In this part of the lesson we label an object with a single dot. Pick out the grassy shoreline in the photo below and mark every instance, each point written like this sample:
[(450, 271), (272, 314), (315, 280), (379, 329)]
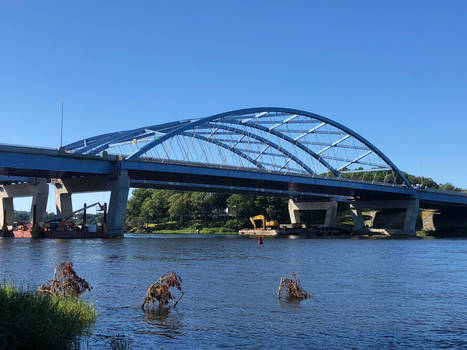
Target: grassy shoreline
[(29, 320), (208, 231), (174, 228)]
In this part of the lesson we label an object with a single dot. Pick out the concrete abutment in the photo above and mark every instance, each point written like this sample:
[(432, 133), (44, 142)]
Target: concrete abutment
[(445, 221)]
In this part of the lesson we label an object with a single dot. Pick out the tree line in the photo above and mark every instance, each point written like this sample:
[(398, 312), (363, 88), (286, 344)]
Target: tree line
[(148, 206), (23, 216), (161, 206), (391, 177)]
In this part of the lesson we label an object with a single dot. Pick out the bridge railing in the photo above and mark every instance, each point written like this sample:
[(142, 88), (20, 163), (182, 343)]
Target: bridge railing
[(434, 190)]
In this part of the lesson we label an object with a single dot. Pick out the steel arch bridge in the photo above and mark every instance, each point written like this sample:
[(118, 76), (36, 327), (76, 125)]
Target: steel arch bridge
[(267, 139)]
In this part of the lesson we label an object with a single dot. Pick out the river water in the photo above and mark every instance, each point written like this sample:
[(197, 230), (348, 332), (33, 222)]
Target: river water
[(377, 294)]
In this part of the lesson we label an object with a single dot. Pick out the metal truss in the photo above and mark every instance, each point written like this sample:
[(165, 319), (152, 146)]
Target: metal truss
[(269, 139)]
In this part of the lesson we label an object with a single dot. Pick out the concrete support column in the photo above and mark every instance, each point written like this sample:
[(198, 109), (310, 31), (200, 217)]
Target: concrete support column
[(294, 213), (6, 207), (428, 219), (411, 215), (117, 206), (63, 201), (331, 213), (63, 204), (357, 217), (39, 199)]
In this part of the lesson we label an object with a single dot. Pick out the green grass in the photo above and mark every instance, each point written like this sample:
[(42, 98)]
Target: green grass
[(206, 230), (221, 230), (32, 321), (181, 230)]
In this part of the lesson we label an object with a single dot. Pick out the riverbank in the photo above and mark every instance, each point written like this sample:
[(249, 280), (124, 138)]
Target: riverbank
[(176, 228), (203, 231), (345, 234), (29, 320)]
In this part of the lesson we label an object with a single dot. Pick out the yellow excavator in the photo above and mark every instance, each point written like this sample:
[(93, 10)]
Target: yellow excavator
[(266, 225)]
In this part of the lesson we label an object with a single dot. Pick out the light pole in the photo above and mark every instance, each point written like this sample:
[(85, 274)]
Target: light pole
[(61, 126)]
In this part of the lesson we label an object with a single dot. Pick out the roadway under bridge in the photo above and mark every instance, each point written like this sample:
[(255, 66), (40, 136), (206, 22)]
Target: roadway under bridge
[(314, 161)]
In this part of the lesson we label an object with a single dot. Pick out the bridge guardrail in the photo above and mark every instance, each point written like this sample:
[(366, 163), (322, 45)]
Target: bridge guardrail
[(434, 190)]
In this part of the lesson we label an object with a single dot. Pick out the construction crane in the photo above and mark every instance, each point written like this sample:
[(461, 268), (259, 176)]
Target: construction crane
[(101, 207)]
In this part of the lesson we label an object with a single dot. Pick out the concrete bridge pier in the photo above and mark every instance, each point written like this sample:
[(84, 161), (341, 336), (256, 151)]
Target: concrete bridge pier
[(411, 215), (118, 185), (330, 206), (6, 214), (117, 205), (39, 191), (39, 199), (357, 218), (400, 222), (63, 201)]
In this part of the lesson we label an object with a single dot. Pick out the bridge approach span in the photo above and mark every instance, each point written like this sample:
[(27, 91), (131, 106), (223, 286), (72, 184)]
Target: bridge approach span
[(271, 151)]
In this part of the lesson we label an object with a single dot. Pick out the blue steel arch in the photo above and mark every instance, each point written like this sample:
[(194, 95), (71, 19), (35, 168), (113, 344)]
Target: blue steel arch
[(298, 144), (269, 143), (231, 149), (285, 142)]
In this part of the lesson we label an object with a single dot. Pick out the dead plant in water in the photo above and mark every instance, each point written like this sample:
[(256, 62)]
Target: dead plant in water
[(65, 282), (160, 290), (293, 290)]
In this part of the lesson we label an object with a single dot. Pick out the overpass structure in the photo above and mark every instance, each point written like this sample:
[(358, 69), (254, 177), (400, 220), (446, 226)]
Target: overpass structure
[(313, 160)]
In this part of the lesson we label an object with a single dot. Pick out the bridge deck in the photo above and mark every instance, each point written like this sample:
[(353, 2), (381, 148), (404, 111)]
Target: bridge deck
[(19, 163)]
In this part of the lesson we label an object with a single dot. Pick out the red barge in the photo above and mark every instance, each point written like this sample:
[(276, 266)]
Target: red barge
[(59, 229)]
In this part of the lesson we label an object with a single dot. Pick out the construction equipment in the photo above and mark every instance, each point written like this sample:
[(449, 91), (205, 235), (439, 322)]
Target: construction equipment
[(101, 207), (64, 223), (266, 225)]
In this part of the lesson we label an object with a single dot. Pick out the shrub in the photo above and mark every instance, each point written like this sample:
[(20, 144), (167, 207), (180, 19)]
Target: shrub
[(235, 224)]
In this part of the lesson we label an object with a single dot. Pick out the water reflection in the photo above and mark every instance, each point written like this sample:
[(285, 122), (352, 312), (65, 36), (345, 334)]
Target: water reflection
[(368, 294), (289, 303), (167, 321)]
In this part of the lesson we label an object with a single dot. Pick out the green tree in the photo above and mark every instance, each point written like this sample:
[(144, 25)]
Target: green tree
[(219, 201), (133, 209), (277, 209), (180, 206), (201, 204), (158, 206), (22, 216), (449, 187), (242, 207)]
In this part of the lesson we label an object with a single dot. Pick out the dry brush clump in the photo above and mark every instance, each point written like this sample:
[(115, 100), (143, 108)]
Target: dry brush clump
[(293, 289), (65, 282), (160, 291)]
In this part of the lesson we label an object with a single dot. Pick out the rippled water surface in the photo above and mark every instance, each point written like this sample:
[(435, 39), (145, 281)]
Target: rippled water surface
[(367, 293)]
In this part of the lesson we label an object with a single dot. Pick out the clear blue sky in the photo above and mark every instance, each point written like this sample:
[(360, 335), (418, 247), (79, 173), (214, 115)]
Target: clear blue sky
[(394, 71)]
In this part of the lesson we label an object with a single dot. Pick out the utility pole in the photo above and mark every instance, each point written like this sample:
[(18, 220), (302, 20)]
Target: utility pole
[(61, 124)]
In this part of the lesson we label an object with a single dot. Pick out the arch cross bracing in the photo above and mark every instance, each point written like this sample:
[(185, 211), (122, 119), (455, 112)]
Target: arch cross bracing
[(268, 139)]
